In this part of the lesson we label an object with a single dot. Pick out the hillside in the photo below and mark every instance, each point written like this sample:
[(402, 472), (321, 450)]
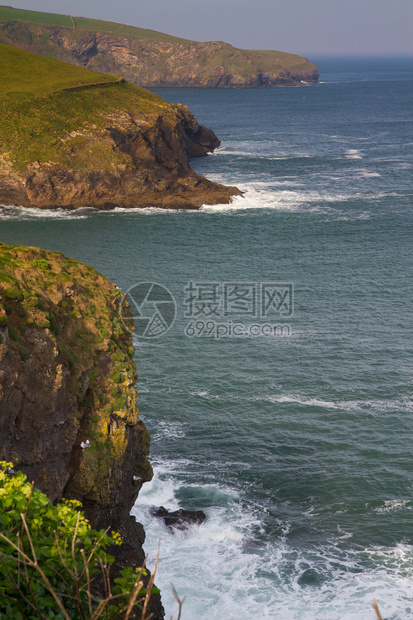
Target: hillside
[(147, 57), (70, 137)]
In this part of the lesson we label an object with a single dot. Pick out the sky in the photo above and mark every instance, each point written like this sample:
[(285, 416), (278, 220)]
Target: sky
[(307, 27)]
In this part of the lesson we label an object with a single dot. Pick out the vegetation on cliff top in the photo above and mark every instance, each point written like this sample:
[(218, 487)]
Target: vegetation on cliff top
[(24, 75), (44, 289), (42, 121), (83, 23)]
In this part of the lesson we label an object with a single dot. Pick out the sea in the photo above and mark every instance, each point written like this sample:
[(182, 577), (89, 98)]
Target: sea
[(278, 390)]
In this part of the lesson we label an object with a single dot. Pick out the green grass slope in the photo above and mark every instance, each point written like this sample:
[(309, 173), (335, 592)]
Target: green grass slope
[(83, 23), (24, 75), (39, 114)]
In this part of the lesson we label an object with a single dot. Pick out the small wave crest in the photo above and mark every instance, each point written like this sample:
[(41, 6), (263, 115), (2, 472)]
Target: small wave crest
[(27, 213), (353, 154), (392, 505), (349, 405)]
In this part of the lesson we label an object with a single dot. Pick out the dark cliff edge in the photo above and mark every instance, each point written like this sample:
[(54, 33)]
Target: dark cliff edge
[(150, 58), (67, 379), (68, 141)]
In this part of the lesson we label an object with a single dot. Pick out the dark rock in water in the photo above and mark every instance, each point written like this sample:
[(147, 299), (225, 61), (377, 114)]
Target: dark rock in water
[(180, 519), (310, 577)]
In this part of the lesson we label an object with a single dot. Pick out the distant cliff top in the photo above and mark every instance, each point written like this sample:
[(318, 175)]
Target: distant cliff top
[(147, 57)]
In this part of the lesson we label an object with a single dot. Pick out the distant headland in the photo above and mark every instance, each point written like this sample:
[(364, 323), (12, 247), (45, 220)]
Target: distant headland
[(149, 58)]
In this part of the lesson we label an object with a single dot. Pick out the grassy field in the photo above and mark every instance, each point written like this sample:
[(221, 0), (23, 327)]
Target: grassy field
[(52, 19), (41, 121), (24, 75), (8, 13)]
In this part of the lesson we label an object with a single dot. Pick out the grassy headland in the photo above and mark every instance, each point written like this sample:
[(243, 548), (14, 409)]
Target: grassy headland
[(148, 57), (71, 137)]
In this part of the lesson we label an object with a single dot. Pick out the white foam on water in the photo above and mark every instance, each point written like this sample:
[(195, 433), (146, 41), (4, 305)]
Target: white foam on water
[(141, 211), (392, 505), (260, 155), (200, 393), (286, 157), (257, 195), (403, 166), (225, 572), (353, 154), (344, 218), (27, 213), (350, 405), (363, 173), (171, 430), (314, 402), (404, 404), (282, 200)]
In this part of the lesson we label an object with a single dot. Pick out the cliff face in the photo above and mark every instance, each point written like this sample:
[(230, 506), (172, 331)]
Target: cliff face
[(152, 168), (72, 144), (153, 59), (68, 414)]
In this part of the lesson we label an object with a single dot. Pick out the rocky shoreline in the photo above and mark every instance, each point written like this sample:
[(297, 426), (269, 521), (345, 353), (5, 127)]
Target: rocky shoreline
[(154, 169)]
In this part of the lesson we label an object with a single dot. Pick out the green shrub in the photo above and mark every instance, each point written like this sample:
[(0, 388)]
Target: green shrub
[(51, 560), (14, 333), (14, 293), (41, 263), (54, 327)]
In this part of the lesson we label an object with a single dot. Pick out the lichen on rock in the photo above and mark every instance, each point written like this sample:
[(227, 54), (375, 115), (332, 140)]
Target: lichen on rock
[(67, 379), (68, 412)]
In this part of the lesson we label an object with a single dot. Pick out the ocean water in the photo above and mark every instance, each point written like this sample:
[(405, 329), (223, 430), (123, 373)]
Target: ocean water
[(298, 447)]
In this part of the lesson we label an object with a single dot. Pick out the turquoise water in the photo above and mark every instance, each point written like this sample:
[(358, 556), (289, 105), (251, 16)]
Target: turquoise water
[(298, 448)]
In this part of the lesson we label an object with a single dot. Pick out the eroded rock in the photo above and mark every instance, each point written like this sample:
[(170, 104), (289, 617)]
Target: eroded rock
[(180, 519)]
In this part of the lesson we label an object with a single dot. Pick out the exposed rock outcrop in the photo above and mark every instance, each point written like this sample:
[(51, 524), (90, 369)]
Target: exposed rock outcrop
[(180, 519), (153, 59), (68, 414), (153, 170)]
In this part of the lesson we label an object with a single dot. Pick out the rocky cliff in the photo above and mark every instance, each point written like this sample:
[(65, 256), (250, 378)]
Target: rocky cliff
[(73, 138), (150, 58), (68, 414)]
